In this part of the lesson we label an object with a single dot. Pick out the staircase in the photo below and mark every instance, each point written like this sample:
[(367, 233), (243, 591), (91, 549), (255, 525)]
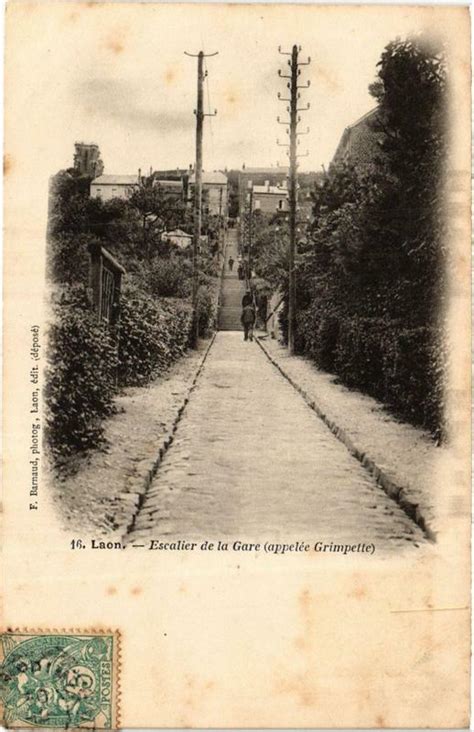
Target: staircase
[(232, 290)]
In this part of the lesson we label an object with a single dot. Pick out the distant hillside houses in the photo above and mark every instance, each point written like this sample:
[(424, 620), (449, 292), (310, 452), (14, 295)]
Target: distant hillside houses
[(249, 177), (174, 182), (107, 187), (270, 199), (269, 188), (214, 192)]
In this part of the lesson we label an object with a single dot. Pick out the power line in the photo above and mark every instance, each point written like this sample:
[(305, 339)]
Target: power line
[(206, 75)]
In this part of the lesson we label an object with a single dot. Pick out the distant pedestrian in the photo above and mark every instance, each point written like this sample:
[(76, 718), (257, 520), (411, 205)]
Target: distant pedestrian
[(231, 263), (248, 321), (240, 271)]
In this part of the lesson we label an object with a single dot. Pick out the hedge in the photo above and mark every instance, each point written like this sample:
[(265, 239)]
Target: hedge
[(402, 366), (80, 378), (88, 361), (152, 335)]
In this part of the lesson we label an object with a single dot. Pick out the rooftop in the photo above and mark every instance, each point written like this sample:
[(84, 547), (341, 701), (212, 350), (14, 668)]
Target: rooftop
[(364, 118), (178, 232), (275, 190), (168, 183), (283, 170), (121, 180), (214, 177)]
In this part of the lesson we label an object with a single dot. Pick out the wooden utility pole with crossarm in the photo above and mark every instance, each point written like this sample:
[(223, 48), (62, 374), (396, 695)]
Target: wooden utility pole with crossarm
[(292, 125), (197, 208)]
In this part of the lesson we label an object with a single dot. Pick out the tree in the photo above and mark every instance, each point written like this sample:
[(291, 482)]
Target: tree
[(371, 279), (411, 93), (69, 194), (157, 211)]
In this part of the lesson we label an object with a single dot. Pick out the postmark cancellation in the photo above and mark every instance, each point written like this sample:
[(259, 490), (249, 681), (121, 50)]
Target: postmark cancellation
[(59, 679)]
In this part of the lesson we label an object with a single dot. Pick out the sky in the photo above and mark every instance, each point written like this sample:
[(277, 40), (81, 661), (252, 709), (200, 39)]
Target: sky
[(117, 75)]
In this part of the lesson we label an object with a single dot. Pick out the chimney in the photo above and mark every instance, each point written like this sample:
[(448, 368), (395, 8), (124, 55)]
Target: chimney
[(139, 176)]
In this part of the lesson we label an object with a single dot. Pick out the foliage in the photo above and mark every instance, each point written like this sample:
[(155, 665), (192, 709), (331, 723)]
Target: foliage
[(169, 277), (86, 359), (207, 305), (270, 249), (157, 211), (68, 257), (80, 379), (370, 273), (69, 194), (373, 271), (153, 334)]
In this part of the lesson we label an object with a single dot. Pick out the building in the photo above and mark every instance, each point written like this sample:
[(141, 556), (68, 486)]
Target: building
[(172, 188), (360, 142), (270, 199), (173, 182), (87, 160), (179, 238), (274, 198), (107, 187), (249, 177), (214, 192)]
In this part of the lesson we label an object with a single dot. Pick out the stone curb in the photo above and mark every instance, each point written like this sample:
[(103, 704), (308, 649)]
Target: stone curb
[(140, 483), (393, 489)]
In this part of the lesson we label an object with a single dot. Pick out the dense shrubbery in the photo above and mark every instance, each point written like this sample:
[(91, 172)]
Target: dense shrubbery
[(152, 334), (401, 366), (207, 306), (370, 276), (87, 360), (82, 362), (68, 258), (169, 277)]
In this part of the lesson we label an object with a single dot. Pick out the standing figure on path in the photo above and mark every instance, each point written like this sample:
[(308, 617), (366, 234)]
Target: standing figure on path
[(231, 263), (247, 299), (248, 320), (240, 271)]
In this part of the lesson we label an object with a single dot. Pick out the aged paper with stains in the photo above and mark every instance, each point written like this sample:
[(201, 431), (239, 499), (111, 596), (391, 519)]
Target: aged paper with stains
[(242, 637)]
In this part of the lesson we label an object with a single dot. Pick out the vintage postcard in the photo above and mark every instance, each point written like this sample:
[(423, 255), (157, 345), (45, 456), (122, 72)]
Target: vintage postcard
[(236, 366)]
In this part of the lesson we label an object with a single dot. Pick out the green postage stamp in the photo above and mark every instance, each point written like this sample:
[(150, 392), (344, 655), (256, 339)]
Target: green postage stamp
[(59, 679)]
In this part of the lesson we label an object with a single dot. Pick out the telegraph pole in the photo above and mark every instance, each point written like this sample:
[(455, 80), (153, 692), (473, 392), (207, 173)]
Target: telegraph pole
[(249, 273), (292, 124), (197, 208)]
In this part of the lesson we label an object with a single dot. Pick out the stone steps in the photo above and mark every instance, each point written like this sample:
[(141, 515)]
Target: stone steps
[(232, 292)]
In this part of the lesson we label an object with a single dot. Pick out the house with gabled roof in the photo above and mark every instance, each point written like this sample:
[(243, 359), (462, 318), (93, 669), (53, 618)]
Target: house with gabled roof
[(107, 187)]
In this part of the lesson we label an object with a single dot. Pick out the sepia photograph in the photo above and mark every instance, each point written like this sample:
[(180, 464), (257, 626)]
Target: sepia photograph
[(247, 303), (237, 358)]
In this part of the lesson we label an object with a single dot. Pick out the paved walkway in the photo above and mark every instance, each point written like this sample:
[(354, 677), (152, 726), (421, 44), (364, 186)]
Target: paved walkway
[(250, 460), (405, 456)]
